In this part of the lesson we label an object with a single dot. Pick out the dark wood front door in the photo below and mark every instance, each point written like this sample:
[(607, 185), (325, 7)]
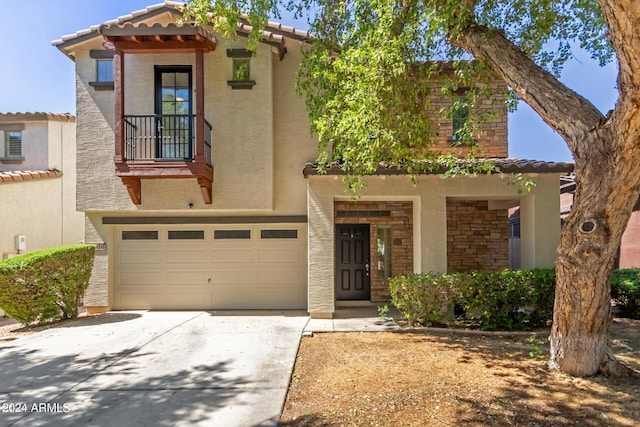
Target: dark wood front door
[(352, 262)]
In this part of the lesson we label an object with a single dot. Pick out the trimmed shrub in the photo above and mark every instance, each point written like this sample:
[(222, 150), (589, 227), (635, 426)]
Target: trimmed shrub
[(625, 290), (424, 299), (511, 300), (45, 285)]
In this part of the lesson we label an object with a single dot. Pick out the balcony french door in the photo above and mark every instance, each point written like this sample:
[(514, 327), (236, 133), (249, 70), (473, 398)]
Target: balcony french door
[(174, 130)]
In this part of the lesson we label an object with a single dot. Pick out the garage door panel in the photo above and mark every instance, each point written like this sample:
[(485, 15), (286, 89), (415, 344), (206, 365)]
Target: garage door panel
[(140, 256), (187, 277), (280, 255), (234, 277), (188, 301), (138, 300), (219, 256), (255, 273), (283, 277), (143, 278), (186, 257)]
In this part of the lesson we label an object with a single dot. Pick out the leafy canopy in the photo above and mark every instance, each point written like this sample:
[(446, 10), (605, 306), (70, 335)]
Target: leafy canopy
[(373, 75)]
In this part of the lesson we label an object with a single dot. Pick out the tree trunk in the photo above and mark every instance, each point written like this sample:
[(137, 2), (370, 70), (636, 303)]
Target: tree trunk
[(607, 167), (606, 189)]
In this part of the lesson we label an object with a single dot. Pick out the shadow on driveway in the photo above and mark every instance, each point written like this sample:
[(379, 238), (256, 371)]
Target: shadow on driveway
[(161, 368)]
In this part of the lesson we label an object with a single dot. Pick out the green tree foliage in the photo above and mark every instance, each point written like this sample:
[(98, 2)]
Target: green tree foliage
[(374, 67)]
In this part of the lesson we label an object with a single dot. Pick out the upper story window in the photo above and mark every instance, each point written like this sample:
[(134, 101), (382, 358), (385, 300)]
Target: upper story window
[(460, 132), (11, 149), (241, 69), (13, 144), (104, 69), (459, 117)]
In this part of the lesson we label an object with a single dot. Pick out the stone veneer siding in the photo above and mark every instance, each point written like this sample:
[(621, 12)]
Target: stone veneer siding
[(491, 138), (401, 221), (477, 238)]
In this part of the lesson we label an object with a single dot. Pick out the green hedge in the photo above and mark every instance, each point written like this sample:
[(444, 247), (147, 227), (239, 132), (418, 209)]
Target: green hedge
[(45, 285), (505, 300), (625, 290)]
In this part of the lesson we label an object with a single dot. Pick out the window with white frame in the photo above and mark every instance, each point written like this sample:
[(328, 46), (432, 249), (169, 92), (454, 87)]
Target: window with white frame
[(13, 144)]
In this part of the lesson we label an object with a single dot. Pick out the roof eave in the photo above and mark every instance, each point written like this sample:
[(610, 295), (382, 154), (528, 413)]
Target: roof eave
[(504, 166)]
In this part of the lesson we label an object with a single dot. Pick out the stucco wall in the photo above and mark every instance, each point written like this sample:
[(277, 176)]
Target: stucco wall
[(43, 210), (260, 137), (260, 141), (630, 245), (31, 208)]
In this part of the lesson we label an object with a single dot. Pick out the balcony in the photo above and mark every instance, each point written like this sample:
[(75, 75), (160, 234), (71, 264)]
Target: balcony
[(158, 146)]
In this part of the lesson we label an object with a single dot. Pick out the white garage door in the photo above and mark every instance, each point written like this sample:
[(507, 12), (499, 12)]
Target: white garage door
[(213, 267)]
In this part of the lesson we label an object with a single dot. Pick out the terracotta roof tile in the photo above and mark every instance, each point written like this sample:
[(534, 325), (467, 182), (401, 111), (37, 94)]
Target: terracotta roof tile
[(14, 176), (36, 116), (273, 31), (505, 165)]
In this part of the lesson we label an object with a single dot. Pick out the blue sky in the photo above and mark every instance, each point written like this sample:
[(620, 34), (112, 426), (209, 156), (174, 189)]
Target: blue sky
[(36, 76)]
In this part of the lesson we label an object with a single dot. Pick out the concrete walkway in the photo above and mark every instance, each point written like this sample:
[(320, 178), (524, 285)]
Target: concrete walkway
[(355, 319), (152, 369)]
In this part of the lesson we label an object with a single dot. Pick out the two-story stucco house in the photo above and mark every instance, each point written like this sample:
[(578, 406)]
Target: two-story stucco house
[(195, 173), (38, 182)]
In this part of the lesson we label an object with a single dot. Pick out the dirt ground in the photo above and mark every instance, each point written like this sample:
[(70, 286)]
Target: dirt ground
[(417, 379)]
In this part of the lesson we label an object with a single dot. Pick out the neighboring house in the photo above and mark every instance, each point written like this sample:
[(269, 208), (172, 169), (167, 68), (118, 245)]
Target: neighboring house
[(629, 251), (195, 173), (38, 182)]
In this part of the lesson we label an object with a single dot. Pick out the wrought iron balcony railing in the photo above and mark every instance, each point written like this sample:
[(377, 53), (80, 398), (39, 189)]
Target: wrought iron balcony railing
[(163, 137)]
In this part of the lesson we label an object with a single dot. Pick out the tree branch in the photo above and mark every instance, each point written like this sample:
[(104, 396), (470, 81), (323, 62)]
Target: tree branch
[(567, 112), (623, 20)]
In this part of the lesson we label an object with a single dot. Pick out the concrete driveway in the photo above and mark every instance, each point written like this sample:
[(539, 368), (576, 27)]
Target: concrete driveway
[(152, 369)]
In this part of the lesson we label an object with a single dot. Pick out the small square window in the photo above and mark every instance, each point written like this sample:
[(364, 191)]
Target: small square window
[(13, 142), (241, 70), (104, 70)]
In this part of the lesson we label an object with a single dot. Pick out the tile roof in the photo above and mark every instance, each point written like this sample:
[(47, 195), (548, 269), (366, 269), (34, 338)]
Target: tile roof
[(33, 116), (15, 176), (505, 165), (273, 31), (92, 31)]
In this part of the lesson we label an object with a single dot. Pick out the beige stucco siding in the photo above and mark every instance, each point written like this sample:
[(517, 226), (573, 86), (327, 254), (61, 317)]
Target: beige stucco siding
[(293, 143), (31, 208), (429, 197), (34, 208), (42, 209), (260, 137)]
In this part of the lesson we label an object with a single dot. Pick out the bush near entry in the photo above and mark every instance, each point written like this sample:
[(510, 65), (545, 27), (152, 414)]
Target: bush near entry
[(504, 300), (45, 285), (625, 290)]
